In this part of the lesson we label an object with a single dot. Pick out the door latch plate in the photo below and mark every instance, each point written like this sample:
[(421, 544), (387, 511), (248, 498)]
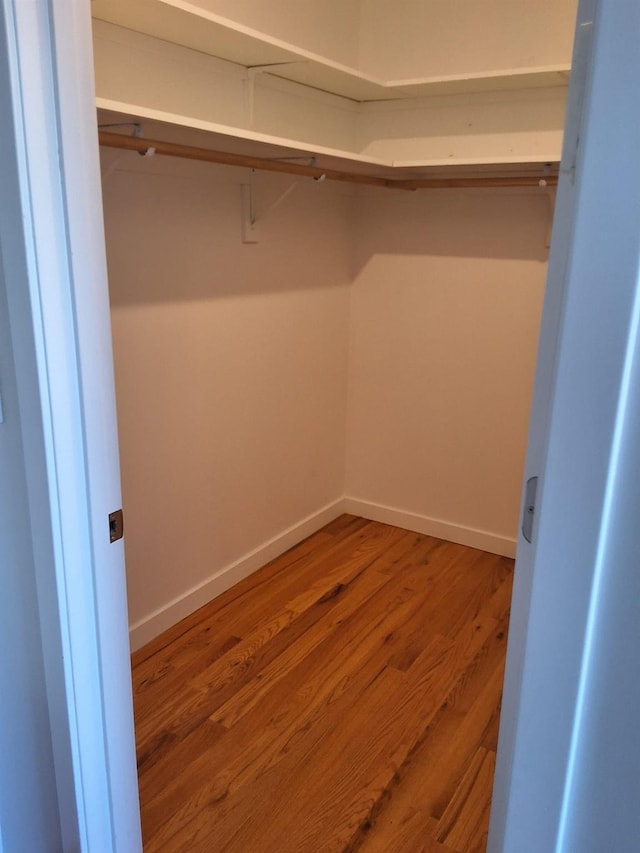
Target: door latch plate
[(529, 508), (116, 525)]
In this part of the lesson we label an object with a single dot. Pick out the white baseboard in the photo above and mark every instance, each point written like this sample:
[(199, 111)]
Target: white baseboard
[(481, 539), (155, 623)]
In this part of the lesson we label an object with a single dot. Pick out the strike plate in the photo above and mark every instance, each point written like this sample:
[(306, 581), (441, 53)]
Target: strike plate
[(116, 525), (529, 508)]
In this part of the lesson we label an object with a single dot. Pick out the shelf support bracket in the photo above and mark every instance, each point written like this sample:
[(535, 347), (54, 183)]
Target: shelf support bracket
[(136, 131), (249, 86), (250, 225), (280, 199), (250, 83)]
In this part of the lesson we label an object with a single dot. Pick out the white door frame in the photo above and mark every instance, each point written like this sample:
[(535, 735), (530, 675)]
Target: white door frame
[(59, 312), (583, 403)]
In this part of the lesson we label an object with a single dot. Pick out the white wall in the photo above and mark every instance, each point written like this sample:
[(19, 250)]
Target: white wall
[(330, 28), (231, 369), (489, 127), (445, 311), (437, 38), (234, 367), (415, 38)]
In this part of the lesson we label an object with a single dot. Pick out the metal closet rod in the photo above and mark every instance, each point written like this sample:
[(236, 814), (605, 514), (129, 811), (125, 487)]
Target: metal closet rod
[(172, 149)]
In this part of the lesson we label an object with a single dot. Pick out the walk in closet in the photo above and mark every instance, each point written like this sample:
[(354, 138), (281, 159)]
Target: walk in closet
[(327, 227), (289, 348)]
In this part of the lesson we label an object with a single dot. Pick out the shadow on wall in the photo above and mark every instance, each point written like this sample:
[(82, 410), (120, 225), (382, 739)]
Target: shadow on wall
[(499, 224), (173, 230)]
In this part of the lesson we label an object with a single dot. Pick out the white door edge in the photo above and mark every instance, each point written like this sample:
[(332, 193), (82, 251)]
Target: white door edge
[(580, 403), (64, 362)]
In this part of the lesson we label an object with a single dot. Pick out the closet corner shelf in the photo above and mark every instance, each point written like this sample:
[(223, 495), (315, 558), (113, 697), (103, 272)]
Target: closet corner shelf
[(425, 155), (238, 139), (267, 155), (191, 26)]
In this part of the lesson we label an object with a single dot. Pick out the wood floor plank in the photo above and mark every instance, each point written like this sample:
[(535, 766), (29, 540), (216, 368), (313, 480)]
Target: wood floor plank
[(190, 705), (340, 523), (410, 831), (344, 664), (161, 684), (255, 691), (179, 760), (325, 589), (356, 766), (440, 761), (366, 585), (454, 597), (251, 610), (378, 543), (249, 595), (346, 700), (180, 711), (465, 822)]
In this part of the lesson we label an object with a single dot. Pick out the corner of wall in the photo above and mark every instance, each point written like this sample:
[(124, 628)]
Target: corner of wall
[(145, 629), (460, 534)]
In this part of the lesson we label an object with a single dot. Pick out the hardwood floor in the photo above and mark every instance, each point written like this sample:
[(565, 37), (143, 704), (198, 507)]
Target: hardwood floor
[(345, 697)]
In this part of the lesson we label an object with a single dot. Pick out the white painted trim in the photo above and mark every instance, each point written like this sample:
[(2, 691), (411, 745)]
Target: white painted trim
[(164, 617), (458, 533), (77, 158), (59, 315), (150, 626), (568, 744)]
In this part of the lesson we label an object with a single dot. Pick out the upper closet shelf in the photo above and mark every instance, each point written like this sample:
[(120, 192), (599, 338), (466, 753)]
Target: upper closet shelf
[(183, 65), (180, 129), (192, 26)]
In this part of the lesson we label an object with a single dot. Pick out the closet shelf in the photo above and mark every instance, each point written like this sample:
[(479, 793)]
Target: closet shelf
[(172, 62), (230, 134), (144, 145), (196, 28), (185, 130)]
